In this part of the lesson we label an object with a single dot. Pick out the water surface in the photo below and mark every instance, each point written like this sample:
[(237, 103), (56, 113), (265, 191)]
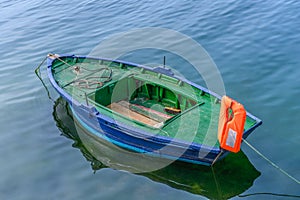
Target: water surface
[(255, 45)]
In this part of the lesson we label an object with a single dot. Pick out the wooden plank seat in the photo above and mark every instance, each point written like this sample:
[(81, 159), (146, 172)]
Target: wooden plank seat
[(153, 114), (140, 113)]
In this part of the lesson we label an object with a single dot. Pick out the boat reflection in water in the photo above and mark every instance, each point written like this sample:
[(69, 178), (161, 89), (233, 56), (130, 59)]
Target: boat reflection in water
[(229, 177)]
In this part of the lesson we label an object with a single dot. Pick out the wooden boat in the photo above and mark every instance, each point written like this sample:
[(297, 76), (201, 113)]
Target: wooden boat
[(221, 182), (149, 110)]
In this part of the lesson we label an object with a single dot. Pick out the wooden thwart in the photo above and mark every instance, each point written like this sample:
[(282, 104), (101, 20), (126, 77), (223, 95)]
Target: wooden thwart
[(155, 115), (123, 109)]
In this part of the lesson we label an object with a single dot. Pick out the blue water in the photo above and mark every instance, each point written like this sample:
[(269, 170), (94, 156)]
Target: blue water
[(255, 45)]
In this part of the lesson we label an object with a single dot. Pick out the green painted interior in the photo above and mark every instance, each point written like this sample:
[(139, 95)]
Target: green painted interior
[(146, 91)]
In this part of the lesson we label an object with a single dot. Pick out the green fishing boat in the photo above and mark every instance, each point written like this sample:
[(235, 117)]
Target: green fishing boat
[(149, 110), (228, 178)]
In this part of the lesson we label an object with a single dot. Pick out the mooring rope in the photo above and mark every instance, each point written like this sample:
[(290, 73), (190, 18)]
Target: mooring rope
[(38, 74), (216, 182), (76, 67), (272, 163), (61, 60), (271, 194)]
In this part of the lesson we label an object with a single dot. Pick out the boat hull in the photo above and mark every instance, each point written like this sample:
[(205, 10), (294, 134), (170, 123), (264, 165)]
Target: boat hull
[(128, 138)]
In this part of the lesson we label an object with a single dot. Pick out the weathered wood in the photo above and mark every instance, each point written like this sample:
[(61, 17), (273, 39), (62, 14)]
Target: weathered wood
[(150, 111), (123, 109)]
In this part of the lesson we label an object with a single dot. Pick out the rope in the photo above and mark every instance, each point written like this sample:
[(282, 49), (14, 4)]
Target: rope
[(216, 182), (272, 194), (38, 74), (273, 164), (87, 83), (58, 58), (76, 68)]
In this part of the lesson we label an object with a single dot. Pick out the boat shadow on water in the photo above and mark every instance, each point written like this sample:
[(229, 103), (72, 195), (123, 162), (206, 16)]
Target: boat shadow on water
[(227, 178)]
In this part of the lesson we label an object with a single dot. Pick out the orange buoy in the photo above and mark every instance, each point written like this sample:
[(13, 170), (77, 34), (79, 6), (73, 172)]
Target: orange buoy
[(231, 124)]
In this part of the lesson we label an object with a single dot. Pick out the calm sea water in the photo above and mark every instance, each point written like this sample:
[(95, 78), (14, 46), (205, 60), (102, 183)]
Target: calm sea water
[(255, 45)]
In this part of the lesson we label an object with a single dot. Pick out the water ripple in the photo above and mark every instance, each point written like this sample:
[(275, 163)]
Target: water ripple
[(255, 44)]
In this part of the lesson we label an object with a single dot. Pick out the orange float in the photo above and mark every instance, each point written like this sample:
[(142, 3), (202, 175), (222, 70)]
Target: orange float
[(231, 124)]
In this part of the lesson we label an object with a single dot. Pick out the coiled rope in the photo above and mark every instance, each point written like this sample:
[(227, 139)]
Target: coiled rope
[(91, 82)]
